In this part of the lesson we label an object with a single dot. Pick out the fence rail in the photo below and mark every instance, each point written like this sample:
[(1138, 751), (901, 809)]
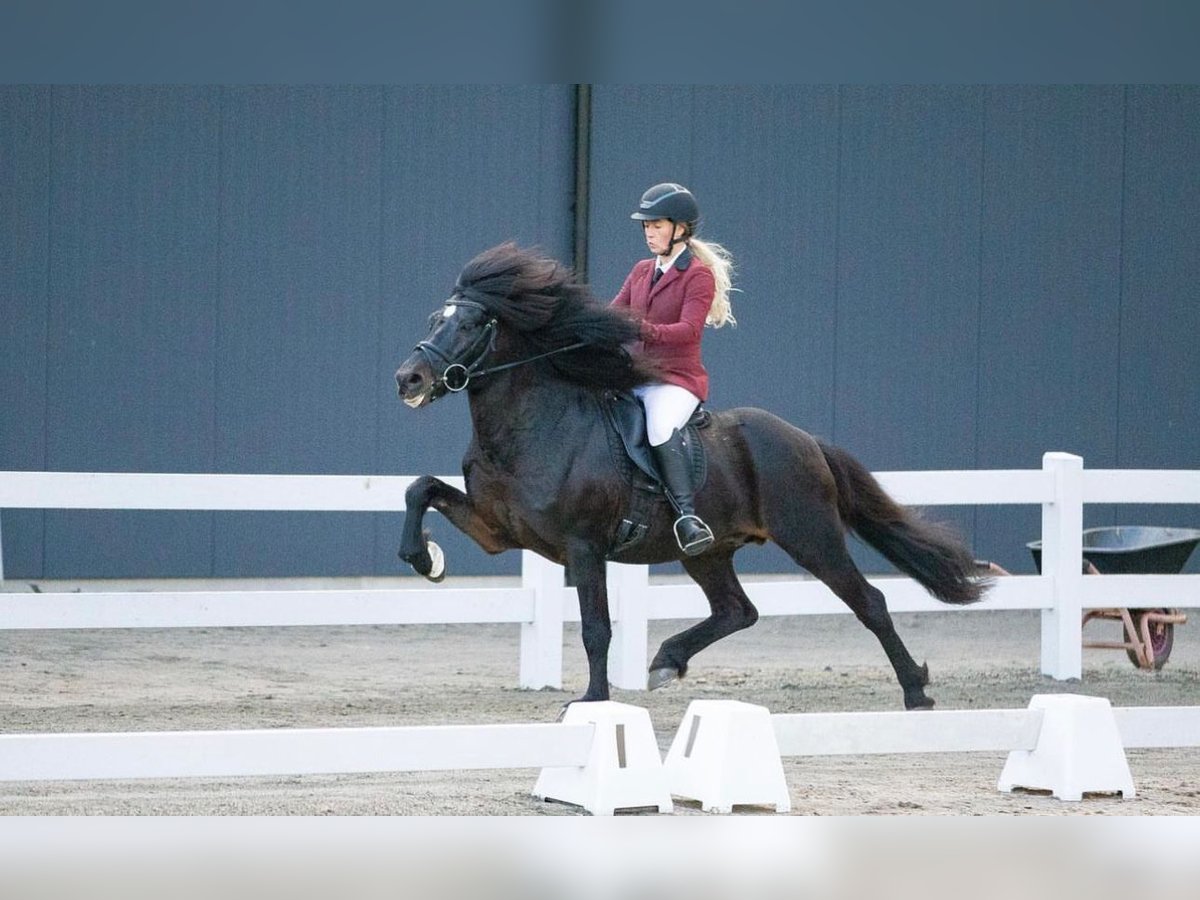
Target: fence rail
[(542, 604), (291, 751), (968, 730), (952, 731), (277, 493), (229, 609)]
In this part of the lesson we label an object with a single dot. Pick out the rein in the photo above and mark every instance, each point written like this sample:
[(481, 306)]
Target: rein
[(457, 373)]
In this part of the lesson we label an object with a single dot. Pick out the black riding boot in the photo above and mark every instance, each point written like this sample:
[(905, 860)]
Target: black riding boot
[(676, 471)]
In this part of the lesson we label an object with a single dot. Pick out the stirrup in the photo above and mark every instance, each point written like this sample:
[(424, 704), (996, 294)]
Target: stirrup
[(699, 542)]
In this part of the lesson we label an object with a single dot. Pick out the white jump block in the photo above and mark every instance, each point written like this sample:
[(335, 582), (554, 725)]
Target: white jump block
[(624, 769), (1078, 750), (725, 754)]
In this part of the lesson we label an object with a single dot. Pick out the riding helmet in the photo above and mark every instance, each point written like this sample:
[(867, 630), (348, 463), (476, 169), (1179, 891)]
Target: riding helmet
[(668, 201)]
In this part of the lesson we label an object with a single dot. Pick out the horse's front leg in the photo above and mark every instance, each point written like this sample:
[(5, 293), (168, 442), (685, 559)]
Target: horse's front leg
[(587, 566), (424, 555)]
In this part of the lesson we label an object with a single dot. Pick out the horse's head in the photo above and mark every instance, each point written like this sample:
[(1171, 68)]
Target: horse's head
[(512, 307), (462, 334)]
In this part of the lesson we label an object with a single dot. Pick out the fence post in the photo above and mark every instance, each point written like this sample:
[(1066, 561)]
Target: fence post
[(1062, 562), (542, 639), (628, 599)]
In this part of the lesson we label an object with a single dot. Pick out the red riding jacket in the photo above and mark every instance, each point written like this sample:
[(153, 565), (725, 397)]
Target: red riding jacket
[(672, 313)]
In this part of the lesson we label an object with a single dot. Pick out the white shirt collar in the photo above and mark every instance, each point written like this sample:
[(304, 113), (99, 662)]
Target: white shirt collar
[(663, 266)]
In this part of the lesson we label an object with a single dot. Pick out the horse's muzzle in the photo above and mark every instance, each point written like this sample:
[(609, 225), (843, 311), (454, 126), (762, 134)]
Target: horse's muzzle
[(414, 382)]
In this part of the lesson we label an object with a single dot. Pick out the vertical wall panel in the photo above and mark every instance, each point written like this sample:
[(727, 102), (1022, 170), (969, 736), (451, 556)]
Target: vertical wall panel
[(908, 281), (908, 276), (132, 287), (1159, 391), (24, 236), (299, 292), (1051, 265), (1160, 309), (766, 173), (465, 169), (641, 135), (765, 163), (1050, 281)]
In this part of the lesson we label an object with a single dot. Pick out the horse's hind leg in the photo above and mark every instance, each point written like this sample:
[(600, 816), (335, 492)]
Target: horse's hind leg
[(828, 559), (731, 611)]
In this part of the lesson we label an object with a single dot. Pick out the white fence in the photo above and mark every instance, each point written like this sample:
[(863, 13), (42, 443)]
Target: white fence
[(291, 751), (970, 730), (541, 604)]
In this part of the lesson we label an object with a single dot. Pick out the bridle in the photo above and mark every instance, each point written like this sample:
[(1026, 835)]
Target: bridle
[(457, 372)]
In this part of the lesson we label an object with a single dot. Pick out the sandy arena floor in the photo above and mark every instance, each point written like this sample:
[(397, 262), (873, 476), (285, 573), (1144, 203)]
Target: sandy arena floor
[(123, 680)]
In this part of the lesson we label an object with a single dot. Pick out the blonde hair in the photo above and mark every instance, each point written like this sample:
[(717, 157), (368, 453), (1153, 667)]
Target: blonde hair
[(720, 261)]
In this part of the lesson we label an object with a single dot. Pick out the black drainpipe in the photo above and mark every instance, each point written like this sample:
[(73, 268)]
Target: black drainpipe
[(583, 157)]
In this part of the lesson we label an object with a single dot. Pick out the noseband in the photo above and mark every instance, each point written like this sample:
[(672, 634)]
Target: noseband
[(457, 373)]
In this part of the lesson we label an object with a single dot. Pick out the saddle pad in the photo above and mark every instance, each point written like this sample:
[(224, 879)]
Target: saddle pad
[(627, 418)]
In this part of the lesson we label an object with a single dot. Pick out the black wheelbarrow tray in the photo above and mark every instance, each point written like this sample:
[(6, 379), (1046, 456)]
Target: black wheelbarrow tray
[(1136, 550)]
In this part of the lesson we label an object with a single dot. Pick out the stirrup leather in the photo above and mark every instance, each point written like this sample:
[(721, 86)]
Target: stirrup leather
[(700, 542)]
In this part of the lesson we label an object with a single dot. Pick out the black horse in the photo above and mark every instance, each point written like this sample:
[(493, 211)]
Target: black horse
[(536, 355)]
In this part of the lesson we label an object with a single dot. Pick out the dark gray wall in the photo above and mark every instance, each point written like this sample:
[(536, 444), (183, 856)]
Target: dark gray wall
[(939, 277), (24, 179), (223, 279)]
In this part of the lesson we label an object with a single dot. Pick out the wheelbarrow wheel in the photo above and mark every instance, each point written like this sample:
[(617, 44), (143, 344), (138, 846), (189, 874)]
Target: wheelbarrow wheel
[(1162, 637)]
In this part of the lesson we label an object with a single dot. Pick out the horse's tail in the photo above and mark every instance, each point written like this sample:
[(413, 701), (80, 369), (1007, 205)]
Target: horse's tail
[(931, 553)]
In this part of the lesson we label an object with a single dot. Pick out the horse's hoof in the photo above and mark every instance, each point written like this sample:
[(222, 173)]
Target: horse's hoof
[(437, 566), (662, 677), (419, 561), (918, 703)]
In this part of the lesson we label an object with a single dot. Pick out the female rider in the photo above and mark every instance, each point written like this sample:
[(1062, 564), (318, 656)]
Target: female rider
[(681, 288)]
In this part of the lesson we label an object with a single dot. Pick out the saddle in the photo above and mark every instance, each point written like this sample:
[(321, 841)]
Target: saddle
[(630, 449)]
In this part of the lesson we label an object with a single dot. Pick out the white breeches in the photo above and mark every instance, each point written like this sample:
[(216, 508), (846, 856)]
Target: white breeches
[(668, 407)]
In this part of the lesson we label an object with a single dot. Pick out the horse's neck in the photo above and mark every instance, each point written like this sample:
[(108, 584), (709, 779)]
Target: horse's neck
[(514, 415)]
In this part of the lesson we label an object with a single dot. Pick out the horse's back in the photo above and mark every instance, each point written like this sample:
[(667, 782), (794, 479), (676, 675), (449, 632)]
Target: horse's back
[(764, 430), (765, 459)]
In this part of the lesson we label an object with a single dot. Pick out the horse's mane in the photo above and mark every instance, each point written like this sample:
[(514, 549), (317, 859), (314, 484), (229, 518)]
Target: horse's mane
[(542, 301)]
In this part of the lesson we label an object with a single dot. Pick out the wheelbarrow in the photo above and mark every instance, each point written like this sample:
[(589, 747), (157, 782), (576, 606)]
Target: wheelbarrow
[(1135, 550)]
